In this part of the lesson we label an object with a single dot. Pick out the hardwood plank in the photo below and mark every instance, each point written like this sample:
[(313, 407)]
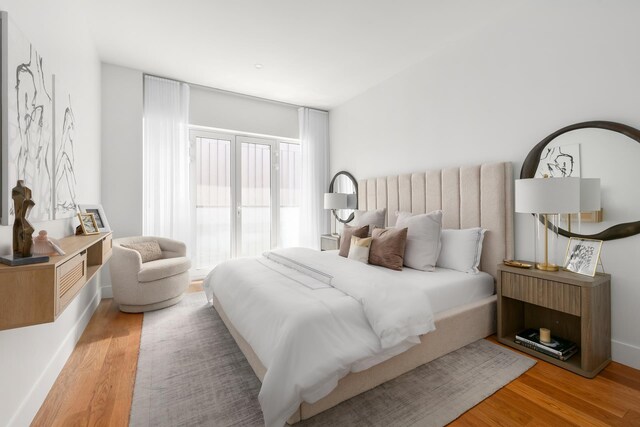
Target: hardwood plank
[(599, 391), (68, 379), (498, 412), (631, 418), (78, 396), (558, 393), (471, 419), (623, 375), (540, 414), (560, 409)]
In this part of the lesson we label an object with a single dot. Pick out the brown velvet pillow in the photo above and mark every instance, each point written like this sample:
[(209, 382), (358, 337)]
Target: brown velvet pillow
[(345, 239), (387, 247)]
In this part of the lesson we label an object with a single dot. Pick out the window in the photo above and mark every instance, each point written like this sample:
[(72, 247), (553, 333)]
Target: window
[(247, 195), (290, 184)]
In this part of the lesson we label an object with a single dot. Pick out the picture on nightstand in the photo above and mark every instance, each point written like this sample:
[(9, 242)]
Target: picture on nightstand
[(582, 256)]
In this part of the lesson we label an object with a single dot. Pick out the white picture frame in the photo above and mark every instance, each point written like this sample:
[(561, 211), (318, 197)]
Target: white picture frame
[(100, 216), (582, 256)]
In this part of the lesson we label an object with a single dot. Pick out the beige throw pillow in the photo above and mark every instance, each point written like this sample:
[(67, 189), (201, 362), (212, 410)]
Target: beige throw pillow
[(423, 239), (149, 251), (359, 249), (345, 239), (371, 218), (387, 247)]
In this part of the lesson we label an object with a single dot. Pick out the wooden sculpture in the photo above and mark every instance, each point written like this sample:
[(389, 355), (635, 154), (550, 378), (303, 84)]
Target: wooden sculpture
[(22, 229)]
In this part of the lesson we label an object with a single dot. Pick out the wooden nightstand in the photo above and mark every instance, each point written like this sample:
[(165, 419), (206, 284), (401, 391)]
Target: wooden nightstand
[(329, 242), (574, 307)]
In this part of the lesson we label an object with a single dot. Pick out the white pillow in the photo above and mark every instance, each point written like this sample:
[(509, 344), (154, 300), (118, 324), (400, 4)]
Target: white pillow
[(371, 218), (423, 239), (359, 249), (461, 249)]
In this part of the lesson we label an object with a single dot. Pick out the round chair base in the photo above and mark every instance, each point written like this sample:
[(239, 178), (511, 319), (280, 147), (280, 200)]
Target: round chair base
[(150, 307)]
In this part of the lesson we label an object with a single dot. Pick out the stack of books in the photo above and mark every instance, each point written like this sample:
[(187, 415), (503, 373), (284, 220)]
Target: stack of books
[(558, 348)]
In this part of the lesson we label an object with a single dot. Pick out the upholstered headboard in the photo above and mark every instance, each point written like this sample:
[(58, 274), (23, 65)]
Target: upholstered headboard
[(469, 196)]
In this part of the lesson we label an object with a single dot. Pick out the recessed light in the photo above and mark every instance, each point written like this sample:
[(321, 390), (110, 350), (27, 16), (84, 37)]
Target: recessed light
[(258, 66)]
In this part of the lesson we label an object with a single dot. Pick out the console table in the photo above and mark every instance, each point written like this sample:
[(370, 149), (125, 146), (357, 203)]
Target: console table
[(39, 293)]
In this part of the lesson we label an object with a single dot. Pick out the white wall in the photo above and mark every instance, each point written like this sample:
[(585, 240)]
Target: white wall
[(495, 94), (122, 149), (121, 154), (32, 357), (225, 110)]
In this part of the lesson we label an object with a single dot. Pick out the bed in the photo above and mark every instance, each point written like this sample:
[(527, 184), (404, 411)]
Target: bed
[(462, 306)]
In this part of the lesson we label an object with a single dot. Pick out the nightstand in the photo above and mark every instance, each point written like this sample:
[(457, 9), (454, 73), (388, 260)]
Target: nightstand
[(574, 307), (329, 242)]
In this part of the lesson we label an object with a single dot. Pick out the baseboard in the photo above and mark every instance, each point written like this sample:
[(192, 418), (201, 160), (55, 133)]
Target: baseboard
[(27, 410), (107, 292), (625, 353)]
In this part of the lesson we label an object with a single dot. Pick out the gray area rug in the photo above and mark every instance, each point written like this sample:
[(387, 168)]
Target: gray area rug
[(191, 372)]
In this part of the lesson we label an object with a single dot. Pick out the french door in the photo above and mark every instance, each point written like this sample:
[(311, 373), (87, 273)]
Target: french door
[(235, 188)]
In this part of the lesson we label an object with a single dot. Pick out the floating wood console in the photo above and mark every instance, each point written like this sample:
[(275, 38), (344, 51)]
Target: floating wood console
[(39, 293)]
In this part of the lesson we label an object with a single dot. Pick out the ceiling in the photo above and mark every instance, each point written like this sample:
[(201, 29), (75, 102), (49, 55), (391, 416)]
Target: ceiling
[(314, 53)]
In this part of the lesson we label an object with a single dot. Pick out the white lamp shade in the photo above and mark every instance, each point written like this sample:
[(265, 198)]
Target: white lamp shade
[(548, 195), (335, 200), (590, 194), (352, 201)]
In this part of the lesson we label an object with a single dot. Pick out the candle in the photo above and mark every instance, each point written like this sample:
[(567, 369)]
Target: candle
[(545, 335)]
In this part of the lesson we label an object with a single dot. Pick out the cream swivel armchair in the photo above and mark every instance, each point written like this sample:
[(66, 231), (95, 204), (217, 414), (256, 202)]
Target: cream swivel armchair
[(143, 286)]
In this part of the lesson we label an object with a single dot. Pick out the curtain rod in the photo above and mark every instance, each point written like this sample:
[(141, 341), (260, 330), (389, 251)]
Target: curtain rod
[(215, 89)]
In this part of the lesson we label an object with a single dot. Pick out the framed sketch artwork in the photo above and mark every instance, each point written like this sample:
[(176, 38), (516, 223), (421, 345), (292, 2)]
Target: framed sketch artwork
[(26, 122), (88, 223), (98, 213), (560, 161), (64, 184), (583, 255)]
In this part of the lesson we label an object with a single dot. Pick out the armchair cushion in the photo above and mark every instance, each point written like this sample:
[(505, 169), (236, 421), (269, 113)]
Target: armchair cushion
[(162, 268), (149, 251)]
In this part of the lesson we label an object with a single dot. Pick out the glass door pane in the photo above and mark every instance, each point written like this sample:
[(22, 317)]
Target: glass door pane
[(290, 184), (255, 210), (213, 201)]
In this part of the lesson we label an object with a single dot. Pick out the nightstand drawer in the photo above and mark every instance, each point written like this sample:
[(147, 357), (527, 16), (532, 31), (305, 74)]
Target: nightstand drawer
[(546, 293), (329, 242)]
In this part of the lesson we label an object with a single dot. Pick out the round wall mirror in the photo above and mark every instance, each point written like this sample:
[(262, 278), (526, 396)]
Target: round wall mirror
[(343, 182), (597, 149)]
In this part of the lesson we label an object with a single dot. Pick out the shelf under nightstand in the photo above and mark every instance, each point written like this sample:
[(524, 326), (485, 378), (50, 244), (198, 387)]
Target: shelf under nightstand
[(574, 307)]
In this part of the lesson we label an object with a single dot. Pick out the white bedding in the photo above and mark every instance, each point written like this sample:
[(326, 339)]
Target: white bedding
[(308, 337), (446, 288)]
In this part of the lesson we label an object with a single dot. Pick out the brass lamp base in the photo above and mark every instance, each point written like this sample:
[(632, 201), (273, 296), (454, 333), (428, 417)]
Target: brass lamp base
[(547, 267)]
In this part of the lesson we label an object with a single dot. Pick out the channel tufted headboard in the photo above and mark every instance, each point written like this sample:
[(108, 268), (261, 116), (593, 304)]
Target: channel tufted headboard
[(469, 196)]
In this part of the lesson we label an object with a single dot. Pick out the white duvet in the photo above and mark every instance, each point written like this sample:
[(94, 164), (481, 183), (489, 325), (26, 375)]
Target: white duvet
[(312, 317)]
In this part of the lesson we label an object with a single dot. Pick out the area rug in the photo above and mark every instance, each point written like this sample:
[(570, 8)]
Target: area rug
[(191, 372)]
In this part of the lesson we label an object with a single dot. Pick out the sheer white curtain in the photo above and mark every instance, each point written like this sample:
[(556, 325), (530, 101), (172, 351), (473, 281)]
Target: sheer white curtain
[(165, 154), (314, 143)]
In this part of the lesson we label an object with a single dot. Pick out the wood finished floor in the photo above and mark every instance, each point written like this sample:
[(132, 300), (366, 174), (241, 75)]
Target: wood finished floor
[(96, 386)]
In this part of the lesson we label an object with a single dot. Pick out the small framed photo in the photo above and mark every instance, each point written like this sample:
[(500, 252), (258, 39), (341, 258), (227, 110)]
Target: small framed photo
[(582, 256), (98, 213), (88, 223)]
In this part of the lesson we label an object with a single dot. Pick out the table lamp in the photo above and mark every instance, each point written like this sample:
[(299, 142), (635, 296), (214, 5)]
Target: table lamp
[(335, 201), (548, 197)]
